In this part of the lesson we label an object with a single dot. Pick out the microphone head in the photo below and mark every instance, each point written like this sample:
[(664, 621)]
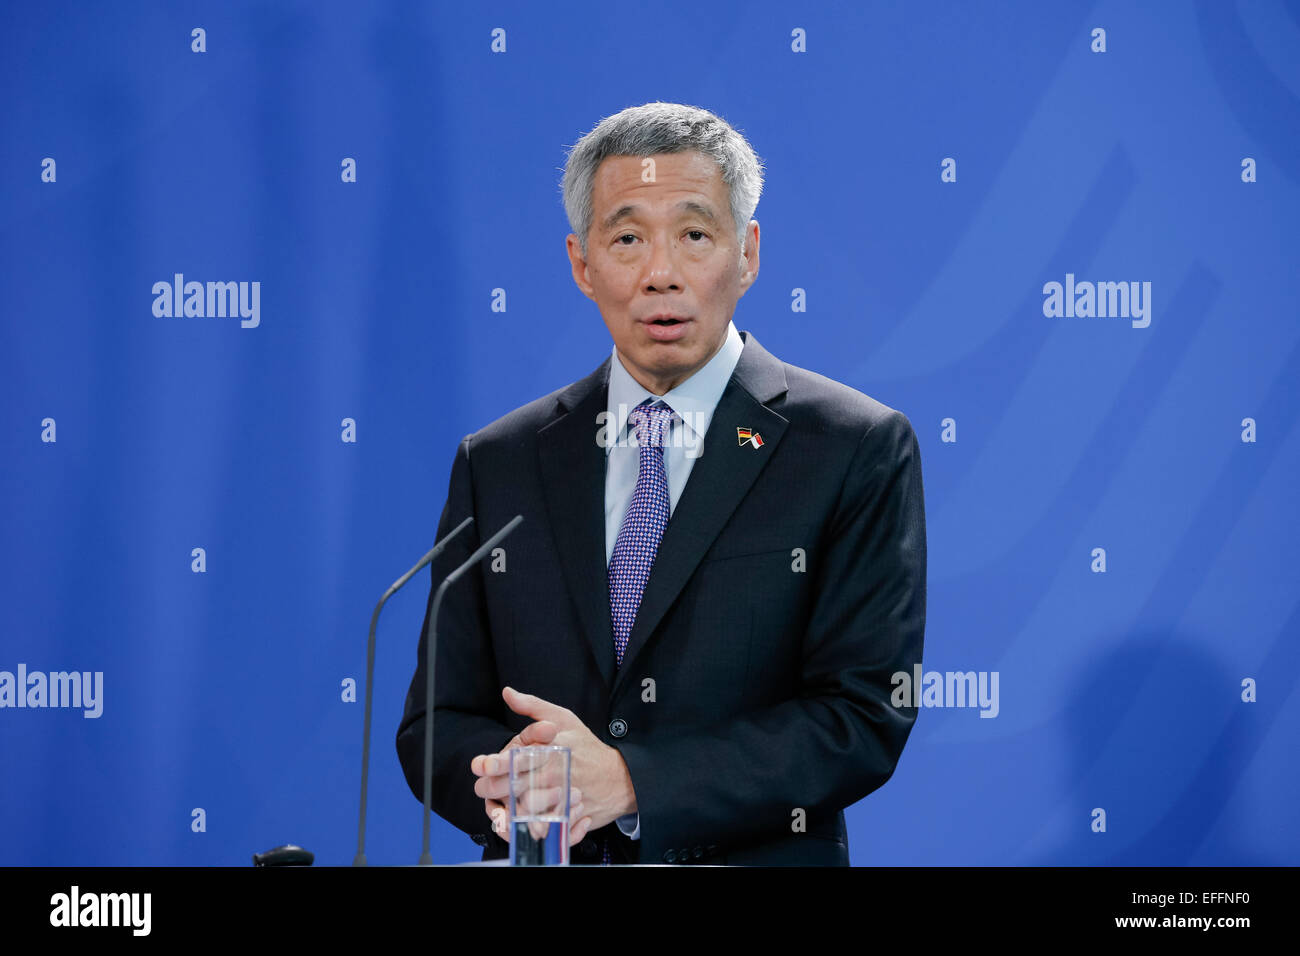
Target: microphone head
[(288, 855)]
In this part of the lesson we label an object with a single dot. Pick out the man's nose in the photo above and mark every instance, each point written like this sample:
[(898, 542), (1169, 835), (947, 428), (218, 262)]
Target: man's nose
[(661, 267)]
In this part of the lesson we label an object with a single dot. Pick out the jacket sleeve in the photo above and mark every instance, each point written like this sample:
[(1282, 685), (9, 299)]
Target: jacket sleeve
[(840, 739), (469, 711)]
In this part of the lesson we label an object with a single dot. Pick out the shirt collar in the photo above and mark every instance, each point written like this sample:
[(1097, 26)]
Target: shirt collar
[(693, 400)]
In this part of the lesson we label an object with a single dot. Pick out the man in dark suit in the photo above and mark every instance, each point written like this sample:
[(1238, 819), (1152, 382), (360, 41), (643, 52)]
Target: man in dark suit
[(722, 563)]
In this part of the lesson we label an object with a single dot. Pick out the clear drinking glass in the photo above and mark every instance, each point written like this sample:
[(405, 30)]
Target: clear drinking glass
[(539, 806)]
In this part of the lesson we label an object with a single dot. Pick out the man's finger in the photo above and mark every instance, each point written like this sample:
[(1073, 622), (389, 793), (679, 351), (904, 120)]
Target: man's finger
[(486, 765), (496, 786), (577, 811), (492, 788), (541, 732), (534, 707), (543, 801), (477, 765), (579, 830)]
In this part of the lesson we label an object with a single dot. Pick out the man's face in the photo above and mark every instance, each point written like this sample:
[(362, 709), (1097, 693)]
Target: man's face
[(662, 263)]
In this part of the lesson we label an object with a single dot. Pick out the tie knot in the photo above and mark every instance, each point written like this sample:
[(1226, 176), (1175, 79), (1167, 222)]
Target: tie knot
[(651, 422)]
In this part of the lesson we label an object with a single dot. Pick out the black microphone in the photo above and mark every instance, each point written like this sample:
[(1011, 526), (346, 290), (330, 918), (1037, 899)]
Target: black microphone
[(360, 858), (426, 858)]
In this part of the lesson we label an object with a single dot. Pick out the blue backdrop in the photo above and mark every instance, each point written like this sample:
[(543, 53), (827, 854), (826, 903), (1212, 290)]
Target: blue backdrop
[(931, 167)]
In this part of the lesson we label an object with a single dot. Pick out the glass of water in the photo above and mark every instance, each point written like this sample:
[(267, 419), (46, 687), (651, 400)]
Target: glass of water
[(539, 806)]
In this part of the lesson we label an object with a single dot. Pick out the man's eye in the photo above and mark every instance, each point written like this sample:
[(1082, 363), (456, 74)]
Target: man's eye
[(626, 235), (695, 232)]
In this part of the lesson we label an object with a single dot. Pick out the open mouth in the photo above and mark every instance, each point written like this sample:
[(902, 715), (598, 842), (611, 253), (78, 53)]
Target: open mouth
[(666, 329)]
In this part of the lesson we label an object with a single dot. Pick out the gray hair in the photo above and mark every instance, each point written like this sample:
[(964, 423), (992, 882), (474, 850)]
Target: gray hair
[(662, 128)]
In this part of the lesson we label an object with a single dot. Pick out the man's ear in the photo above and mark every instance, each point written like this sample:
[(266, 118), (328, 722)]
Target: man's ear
[(749, 257), (579, 266)]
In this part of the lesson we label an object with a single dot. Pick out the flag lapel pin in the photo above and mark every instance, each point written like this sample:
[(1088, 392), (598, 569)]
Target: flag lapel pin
[(746, 436)]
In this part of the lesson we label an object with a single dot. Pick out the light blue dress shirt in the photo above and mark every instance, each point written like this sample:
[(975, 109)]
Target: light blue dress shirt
[(693, 402)]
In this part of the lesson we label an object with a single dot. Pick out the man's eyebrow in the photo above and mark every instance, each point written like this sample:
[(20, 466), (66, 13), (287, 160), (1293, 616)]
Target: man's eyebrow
[(620, 214), (685, 206), (701, 210)]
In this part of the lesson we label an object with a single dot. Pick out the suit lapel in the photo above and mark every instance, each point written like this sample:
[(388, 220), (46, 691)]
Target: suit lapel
[(720, 479), (573, 476)]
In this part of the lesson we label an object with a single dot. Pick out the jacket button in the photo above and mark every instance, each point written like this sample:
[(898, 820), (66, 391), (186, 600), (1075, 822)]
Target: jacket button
[(618, 727), (670, 856)]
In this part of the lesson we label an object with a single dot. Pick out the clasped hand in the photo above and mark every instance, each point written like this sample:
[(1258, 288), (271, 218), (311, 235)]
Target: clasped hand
[(601, 787)]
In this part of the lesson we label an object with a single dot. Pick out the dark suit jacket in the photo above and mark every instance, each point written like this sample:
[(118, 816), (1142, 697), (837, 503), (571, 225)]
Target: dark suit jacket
[(789, 586)]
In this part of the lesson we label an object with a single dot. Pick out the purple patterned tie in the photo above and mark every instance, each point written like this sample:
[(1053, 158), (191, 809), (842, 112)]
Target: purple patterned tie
[(643, 526)]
